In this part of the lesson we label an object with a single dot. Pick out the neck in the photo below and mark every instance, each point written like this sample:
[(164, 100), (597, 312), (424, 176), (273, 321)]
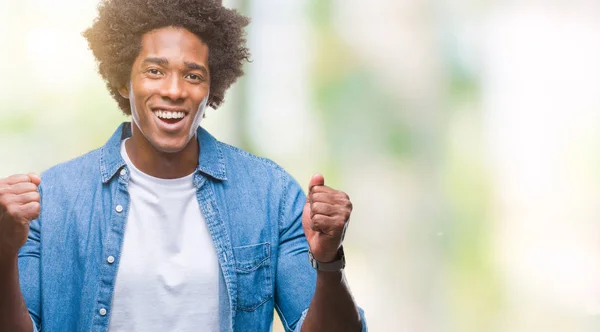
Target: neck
[(161, 164)]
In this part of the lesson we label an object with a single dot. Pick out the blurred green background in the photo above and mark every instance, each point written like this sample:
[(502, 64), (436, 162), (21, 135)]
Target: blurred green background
[(465, 132)]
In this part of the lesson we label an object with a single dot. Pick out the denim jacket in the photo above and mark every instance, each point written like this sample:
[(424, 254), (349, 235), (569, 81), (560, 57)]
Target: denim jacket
[(253, 212)]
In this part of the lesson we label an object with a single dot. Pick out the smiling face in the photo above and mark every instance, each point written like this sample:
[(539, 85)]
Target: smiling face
[(169, 87)]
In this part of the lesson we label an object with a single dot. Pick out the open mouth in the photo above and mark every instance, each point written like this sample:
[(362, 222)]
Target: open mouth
[(170, 117)]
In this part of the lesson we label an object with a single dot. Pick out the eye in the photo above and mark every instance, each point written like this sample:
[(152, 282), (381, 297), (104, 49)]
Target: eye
[(194, 77), (154, 72)]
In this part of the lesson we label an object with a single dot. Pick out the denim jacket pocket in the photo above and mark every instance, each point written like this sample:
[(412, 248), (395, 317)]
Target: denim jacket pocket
[(253, 269)]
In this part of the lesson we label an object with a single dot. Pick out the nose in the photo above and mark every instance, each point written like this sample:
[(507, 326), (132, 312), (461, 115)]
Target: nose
[(173, 88)]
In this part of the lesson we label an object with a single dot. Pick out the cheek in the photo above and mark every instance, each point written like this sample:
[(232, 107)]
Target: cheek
[(148, 87), (136, 104), (201, 96), (142, 94)]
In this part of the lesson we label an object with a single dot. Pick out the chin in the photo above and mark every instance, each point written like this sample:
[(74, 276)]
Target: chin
[(170, 145)]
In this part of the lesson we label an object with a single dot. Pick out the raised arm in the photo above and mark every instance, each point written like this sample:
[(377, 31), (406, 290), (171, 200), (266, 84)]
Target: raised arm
[(325, 219), (306, 299)]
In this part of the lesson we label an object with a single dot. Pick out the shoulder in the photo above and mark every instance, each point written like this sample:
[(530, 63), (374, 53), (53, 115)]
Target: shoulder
[(247, 168), (247, 171), (241, 162)]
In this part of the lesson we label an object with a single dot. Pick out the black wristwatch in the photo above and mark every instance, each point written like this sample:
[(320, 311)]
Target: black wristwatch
[(336, 265)]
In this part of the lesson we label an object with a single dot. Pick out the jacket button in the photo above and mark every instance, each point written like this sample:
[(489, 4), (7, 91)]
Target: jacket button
[(110, 259), (119, 208), (123, 171), (102, 312)]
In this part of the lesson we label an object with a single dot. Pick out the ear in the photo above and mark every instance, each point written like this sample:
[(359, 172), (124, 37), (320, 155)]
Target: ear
[(124, 92)]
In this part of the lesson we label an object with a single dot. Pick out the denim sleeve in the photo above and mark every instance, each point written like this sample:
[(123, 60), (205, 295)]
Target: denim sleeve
[(29, 273), (295, 278)]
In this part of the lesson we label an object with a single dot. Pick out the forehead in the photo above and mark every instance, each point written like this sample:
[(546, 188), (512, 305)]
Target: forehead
[(175, 44)]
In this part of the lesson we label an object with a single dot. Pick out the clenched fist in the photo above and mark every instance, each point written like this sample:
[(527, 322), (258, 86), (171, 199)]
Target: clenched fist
[(325, 218), (19, 204)]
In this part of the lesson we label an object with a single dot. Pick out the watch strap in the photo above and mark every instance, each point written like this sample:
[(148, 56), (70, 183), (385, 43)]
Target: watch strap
[(334, 266)]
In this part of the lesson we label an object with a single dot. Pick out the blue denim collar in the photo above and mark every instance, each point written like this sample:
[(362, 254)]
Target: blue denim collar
[(211, 161)]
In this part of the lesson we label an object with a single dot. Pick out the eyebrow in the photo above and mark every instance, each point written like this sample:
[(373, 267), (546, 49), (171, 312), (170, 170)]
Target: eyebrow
[(165, 62), (195, 66), (156, 61)]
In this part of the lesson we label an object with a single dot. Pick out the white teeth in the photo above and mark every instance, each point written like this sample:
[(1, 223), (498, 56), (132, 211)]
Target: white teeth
[(170, 115)]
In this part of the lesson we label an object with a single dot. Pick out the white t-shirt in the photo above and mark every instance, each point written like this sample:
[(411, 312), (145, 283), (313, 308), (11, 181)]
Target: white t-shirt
[(168, 276)]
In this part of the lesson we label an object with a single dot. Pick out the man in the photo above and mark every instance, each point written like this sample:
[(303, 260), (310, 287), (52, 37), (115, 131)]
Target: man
[(165, 228)]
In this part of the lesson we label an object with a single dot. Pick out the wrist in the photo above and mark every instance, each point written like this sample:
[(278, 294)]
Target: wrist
[(328, 263), (326, 258)]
